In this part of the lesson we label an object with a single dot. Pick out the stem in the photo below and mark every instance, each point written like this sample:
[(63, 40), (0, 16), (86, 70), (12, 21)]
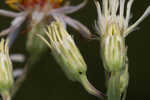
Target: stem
[(28, 66), (113, 91), (90, 88)]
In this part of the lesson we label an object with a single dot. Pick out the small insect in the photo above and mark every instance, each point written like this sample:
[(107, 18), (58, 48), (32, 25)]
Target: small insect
[(34, 11)]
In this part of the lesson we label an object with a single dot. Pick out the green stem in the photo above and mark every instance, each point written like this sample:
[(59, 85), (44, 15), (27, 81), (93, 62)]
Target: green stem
[(113, 90)]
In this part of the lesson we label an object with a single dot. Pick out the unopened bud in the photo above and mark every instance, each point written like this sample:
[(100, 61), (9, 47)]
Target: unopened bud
[(6, 76), (113, 50), (124, 79), (65, 51), (34, 45), (117, 84), (68, 56)]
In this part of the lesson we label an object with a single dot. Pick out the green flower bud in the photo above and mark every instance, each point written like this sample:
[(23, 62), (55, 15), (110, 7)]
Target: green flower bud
[(117, 84), (124, 79), (6, 76), (34, 45), (65, 51), (113, 49), (68, 56)]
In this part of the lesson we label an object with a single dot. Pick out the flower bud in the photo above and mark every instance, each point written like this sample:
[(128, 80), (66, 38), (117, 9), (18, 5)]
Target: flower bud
[(124, 79), (65, 51), (34, 45), (117, 84), (6, 76), (113, 49), (68, 56)]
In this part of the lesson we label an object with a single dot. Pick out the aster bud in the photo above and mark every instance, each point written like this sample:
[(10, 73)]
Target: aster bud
[(124, 79), (34, 45), (113, 49), (117, 84), (68, 56), (6, 76)]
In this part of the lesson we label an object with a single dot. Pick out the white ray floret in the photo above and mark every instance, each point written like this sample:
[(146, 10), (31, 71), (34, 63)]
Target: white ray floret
[(114, 12)]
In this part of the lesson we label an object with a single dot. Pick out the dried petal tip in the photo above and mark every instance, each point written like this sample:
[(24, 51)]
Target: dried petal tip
[(90, 88)]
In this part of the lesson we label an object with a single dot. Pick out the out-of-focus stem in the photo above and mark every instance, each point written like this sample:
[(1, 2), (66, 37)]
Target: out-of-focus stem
[(28, 66)]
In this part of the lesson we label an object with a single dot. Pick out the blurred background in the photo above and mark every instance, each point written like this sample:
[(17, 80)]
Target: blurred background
[(46, 81)]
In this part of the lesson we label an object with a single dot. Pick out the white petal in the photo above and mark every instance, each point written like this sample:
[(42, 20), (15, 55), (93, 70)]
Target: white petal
[(17, 57), (122, 3), (128, 13), (131, 28)]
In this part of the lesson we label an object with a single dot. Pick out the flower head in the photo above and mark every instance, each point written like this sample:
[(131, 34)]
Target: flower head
[(68, 55), (65, 51), (35, 11), (113, 13), (113, 27), (6, 77)]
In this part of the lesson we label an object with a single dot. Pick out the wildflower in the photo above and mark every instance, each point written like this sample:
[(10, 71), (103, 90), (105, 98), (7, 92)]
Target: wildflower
[(113, 52), (6, 76), (68, 56), (36, 10), (113, 27), (112, 13)]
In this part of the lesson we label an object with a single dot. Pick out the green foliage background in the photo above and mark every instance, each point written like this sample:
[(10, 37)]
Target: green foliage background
[(47, 82)]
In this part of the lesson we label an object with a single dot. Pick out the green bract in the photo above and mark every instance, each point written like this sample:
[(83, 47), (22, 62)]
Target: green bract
[(113, 49)]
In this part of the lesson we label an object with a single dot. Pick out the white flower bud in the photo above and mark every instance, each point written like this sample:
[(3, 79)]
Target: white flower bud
[(68, 56), (113, 50)]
